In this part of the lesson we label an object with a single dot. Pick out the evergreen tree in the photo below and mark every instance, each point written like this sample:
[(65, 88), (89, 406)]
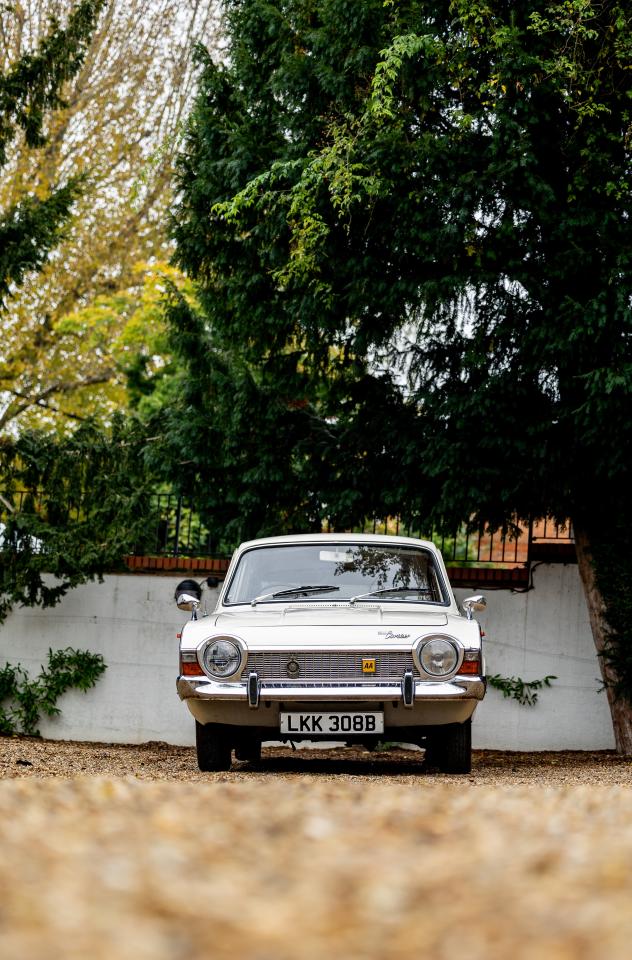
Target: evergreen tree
[(410, 228), (71, 508)]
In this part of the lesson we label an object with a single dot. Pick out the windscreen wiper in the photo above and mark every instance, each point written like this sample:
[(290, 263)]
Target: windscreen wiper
[(294, 591), (376, 593)]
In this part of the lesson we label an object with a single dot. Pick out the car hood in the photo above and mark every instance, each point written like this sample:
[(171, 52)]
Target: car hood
[(368, 628), (325, 615)]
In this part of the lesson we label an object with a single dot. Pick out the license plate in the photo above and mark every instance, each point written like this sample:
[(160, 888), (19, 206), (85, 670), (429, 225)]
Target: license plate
[(335, 723)]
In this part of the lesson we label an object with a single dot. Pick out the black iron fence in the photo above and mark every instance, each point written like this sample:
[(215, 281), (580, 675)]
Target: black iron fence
[(180, 532), (175, 529), (477, 546)]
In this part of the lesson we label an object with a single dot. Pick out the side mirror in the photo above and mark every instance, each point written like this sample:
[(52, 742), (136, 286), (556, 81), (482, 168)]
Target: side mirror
[(474, 603), (188, 595)]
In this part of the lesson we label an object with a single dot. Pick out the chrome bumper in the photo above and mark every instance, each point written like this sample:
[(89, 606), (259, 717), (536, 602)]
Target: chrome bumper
[(459, 688)]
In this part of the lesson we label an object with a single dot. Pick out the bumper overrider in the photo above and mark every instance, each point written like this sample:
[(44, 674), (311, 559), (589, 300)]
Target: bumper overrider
[(409, 690)]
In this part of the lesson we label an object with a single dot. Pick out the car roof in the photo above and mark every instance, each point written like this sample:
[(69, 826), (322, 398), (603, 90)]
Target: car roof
[(377, 538)]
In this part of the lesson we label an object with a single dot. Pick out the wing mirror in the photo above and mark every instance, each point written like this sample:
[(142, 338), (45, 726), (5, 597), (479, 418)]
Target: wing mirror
[(188, 596), (470, 604)]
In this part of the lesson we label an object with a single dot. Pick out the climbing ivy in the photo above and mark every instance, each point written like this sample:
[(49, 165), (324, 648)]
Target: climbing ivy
[(524, 691), (23, 701)]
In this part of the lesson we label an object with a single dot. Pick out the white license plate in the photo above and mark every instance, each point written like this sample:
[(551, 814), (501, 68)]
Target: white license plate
[(335, 723)]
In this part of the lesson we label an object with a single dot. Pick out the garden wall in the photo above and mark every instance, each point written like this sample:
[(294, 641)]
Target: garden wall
[(132, 620)]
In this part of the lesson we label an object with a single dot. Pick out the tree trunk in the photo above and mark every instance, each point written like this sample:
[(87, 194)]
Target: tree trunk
[(620, 708)]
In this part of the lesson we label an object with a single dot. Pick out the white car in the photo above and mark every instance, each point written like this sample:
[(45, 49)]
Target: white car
[(344, 637)]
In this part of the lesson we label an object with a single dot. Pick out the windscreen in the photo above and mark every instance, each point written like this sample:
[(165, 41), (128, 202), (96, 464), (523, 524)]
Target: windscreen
[(331, 571)]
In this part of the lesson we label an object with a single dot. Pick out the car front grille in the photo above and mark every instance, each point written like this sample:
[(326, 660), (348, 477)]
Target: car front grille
[(334, 666)]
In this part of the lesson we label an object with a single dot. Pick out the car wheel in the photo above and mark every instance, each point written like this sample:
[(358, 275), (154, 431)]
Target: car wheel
[(213, 747), (450, 748), (249, 750)]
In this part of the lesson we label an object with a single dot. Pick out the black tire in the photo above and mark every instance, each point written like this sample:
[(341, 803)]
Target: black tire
[(450, 748), (249, 750), (213, 747)]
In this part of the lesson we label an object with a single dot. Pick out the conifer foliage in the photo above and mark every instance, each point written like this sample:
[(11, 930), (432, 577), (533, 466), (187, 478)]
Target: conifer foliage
[(70, 509)]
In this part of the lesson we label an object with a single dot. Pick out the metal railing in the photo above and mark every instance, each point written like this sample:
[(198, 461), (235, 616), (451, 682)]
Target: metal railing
[(464, 545), (180, 531), (175, 529), (467, 546)]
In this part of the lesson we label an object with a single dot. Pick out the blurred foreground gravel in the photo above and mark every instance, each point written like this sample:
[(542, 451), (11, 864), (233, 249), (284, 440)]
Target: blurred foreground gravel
[(119, 852)]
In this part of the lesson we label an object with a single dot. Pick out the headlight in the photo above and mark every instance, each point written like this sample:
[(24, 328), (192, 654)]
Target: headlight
[(438, 657), (221, 658)]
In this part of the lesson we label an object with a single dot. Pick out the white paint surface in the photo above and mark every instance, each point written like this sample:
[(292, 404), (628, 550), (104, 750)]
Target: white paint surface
[(531, 635), (132, 620)]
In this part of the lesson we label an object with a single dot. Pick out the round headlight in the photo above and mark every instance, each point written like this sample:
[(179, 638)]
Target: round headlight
[(438, 657), (221, 658)]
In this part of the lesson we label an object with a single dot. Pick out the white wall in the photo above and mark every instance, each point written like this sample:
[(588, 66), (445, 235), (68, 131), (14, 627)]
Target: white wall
[(531, 635), (132, 620)]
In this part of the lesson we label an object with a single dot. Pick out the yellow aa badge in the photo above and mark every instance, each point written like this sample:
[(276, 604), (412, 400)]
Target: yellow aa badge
[(368, 664)]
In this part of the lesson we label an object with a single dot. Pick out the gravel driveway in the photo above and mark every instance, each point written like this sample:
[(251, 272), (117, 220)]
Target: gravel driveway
[(121, 852), (30, 757)]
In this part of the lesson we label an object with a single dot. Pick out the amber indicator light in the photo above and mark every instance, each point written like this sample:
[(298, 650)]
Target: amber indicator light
[(191, 670), (469, 666)]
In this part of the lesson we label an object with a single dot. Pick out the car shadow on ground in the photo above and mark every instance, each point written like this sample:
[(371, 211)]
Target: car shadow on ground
[(491, 765), (351, 761)]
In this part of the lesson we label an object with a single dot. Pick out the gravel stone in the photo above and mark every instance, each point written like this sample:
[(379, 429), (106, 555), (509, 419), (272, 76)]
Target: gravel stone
[(130, 852)]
